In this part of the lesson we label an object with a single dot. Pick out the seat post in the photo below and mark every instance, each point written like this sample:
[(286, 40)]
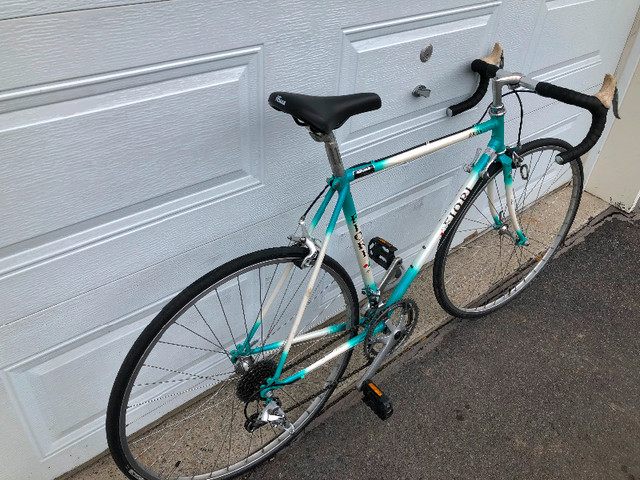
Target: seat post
[(333, 152)]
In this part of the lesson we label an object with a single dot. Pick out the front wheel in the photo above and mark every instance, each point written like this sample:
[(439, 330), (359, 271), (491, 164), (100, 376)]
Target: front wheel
[(181, 401), (479, 265)]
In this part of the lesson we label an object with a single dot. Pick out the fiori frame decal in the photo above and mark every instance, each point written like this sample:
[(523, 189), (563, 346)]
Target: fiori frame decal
[(457, 206)]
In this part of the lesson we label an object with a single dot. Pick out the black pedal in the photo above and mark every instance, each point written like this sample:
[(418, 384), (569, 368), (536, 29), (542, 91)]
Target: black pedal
[(376, 400), (382, 252)]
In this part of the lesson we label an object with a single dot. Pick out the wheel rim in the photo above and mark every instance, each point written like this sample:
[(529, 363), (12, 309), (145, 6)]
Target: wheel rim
[(180, 416), (483, 269)]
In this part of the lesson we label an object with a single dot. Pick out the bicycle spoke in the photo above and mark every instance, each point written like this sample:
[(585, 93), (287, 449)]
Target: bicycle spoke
[(219, 344), (483, 271), (244, 315), (191, 346), (184, 416)]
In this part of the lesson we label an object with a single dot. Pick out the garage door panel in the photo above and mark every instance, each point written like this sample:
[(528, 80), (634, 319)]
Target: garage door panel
[(142, 74), (386, 58), (94, 41), (574, 24), (103, 309), (130, 147), (139, 250), (27, 8), (55, 414), (106, 307)]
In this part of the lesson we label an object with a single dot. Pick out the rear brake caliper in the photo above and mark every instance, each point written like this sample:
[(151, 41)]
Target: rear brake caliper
[(313, 244)]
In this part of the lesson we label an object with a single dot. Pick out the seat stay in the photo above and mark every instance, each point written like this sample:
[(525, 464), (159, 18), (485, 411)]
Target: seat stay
[(343, 192)]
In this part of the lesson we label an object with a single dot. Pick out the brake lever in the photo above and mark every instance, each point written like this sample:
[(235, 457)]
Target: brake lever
[(614, 103)]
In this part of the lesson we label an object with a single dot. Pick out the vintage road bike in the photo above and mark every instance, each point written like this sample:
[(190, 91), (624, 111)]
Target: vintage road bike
[(239, 363)]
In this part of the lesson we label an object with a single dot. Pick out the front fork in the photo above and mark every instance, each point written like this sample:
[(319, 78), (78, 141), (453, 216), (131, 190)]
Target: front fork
[(507, 170)]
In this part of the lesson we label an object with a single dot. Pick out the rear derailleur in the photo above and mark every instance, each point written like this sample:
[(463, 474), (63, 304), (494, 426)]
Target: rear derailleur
[(271, 414), (254, 377)]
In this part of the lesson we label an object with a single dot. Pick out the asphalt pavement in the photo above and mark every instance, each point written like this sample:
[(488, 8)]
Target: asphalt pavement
[(547, 387)]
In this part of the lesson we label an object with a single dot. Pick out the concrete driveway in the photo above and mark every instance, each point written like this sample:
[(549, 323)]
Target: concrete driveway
[(547, 387)]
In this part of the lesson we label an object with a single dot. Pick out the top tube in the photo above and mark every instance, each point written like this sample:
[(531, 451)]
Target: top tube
[(494, 124)]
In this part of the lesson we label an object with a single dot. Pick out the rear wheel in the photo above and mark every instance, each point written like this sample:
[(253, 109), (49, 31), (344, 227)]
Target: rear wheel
[(479, 266), (179, 404)]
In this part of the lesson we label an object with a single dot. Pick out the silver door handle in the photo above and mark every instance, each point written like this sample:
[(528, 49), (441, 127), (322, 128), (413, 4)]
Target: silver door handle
[(421, 91)]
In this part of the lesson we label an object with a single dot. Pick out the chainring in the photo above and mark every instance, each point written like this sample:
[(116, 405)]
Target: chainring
[(403, 314)]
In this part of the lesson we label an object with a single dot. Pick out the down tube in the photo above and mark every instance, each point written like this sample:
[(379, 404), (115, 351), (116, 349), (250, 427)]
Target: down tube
[(434, 239)]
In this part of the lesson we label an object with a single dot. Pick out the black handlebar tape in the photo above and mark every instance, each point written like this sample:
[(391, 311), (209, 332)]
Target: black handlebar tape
[(472, 101), (588, 102), (486, 72)]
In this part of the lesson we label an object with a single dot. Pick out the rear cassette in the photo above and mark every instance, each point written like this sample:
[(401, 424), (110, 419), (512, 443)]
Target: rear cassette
[(257, 376)]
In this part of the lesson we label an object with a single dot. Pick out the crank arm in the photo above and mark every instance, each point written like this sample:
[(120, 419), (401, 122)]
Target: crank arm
[(390, 342)]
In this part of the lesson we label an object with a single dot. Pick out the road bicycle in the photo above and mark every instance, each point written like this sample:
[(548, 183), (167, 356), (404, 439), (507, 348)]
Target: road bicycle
[(239, 363)]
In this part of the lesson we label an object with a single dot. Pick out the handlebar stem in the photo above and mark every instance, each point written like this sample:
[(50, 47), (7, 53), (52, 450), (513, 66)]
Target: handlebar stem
[(501, 79)]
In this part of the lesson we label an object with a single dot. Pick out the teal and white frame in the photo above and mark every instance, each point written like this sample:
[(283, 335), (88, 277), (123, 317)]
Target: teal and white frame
[(495, 151)]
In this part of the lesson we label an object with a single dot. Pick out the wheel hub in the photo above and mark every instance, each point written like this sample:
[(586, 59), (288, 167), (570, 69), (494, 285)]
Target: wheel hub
[(244, 364)]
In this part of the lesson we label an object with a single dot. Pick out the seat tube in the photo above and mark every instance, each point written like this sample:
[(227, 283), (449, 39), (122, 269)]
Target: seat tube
[(342, 195), (333, 152), (359, 246)]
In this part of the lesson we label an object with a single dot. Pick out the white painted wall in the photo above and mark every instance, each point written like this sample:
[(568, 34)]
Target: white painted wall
[(138, 152), (616, 174)]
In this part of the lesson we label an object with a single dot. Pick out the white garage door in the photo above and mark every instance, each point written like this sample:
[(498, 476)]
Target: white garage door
[(138, 152)]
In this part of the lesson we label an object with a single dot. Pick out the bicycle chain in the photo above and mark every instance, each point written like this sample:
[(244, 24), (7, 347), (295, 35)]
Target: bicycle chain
[(355, 328), (408, 304), (333, 384)]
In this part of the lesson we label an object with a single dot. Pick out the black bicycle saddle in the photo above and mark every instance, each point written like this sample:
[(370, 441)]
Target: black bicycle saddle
[(324, 114)]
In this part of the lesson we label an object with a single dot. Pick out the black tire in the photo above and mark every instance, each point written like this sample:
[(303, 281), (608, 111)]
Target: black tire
[(478, 268), (177, 387)]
